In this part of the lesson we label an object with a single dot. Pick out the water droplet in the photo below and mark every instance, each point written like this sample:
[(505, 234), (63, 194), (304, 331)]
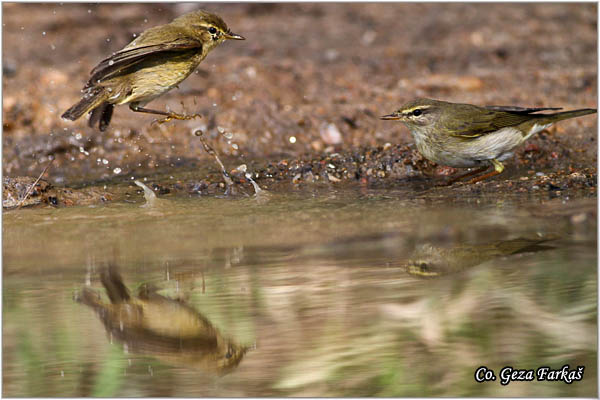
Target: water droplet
[(89, 11), (242, 168), (53, 47), (117, 170), (43, 33), (108, 39), (145, 20), (104, 161), (135, 35), (292, 139), (111, 62), (235, 146), (78, 136)]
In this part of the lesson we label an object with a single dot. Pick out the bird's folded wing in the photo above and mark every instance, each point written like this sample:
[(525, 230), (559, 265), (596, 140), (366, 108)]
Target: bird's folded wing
[(485, 122), (127, 58), (523, 110)]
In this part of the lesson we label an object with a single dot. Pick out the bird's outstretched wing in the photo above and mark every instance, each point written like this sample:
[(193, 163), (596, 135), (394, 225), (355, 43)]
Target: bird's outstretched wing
[(128, 57)]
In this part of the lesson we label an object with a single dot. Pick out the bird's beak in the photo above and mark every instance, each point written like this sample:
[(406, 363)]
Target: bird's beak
[(234, 36), (392, 116)]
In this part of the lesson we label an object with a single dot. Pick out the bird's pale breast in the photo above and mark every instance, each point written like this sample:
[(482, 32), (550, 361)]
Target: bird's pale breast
[(469, 152)]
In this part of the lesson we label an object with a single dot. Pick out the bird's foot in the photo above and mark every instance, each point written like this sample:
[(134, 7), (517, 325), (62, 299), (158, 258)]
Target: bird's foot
[(467, 175), (180, 117), (483, 177)]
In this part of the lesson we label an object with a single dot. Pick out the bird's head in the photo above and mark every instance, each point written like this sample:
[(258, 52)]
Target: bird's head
[(419, 112), (209, 28), (230, 357)]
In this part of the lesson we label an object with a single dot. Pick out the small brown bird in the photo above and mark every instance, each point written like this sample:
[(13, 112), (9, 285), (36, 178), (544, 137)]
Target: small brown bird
[(161, 327), (431, 261), (154, 63), (465, 136)]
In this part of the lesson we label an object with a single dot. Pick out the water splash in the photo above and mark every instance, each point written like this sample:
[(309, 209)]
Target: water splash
[(258, 192), (149, 195), (229, 189)]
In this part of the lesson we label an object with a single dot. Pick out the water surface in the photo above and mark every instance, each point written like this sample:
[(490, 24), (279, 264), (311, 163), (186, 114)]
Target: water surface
[(316, 285)]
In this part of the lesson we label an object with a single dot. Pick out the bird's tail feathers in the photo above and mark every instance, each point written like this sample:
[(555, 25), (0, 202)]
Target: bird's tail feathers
[(572, 114), (92, 99), (101, 115), (113, 283)]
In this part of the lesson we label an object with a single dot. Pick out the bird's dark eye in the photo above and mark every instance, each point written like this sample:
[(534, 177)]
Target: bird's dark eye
[(228, 354), (417, 112), (212, 30)]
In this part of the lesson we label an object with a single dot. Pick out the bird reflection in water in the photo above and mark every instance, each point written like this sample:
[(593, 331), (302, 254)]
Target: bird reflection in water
[(431, 261), (167, 329)]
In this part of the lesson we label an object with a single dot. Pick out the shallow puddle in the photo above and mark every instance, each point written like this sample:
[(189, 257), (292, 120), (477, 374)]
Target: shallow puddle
[(330, 293)]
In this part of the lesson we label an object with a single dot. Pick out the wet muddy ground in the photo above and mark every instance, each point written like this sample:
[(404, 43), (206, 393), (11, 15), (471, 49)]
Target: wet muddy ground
[(299, 100)]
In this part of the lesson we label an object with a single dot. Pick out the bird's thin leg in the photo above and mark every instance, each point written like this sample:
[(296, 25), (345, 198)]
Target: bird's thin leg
[(468, 174), (485, 176), (169, 115), (498, 168)]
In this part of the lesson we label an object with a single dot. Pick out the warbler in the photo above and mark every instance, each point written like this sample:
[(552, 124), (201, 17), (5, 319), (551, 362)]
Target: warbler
[(152, 64), (431, 261), (465, 136), (165, 328)]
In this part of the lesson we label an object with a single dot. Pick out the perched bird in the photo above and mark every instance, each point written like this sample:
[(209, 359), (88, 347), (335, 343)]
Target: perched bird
[(431, 261), (465, 136), (154, 63), (164, 328)]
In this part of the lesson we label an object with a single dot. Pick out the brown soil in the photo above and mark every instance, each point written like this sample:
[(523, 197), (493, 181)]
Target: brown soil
[(303, 93)]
